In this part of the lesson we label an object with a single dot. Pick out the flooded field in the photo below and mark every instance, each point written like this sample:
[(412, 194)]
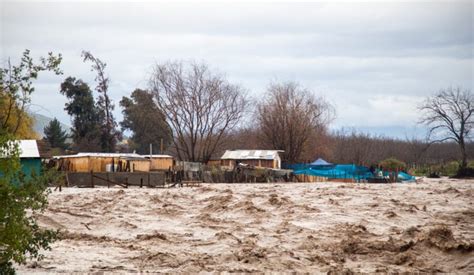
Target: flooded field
[(312, 227)]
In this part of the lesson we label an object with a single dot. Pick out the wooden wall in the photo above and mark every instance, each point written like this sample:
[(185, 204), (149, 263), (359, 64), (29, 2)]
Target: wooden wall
[(228, 162), (266, 163), (98, 164), (309, 178), (259, 163), (161, 163), (77, 164), (139, 165)]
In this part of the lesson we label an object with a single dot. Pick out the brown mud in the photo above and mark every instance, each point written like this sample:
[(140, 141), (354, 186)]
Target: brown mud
[(323, 227)]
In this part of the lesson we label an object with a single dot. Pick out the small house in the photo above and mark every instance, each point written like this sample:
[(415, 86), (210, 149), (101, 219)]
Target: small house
[(29, 157), (103, 162), (257, 158)]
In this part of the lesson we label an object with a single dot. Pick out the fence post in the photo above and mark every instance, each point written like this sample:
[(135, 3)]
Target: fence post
[(108, 182), (92, 179)]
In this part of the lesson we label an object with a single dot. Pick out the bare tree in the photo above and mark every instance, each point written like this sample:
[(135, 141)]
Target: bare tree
[(449, 116), (201, 107), (288, 116)]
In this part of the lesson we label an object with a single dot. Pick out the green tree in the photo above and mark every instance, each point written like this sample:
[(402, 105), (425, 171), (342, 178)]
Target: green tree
[(393, 166), (55, 135), (85, 116), (109, 133), (16, 87), (147, 122), (20, 197)]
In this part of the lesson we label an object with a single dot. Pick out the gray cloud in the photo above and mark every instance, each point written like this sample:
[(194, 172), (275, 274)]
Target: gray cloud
[(367, 59)]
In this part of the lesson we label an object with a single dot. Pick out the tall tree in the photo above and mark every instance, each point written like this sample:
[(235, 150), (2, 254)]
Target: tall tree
[(55, 135), (20, 198), (200, 106), (19, 121), (288, 116), (85, 116), (109, 133), (142, 116), (16, 87), (449, 116)]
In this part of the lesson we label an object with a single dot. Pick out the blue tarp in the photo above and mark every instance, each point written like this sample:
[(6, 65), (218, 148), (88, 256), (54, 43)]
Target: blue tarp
[(405, 176), (337, 171), (341, 171)]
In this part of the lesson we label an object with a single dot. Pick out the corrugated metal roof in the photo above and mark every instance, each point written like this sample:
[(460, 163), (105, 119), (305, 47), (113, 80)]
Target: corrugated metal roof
[(250, 154), (112, 155), (158, 156), (103, 155), (27, 147)]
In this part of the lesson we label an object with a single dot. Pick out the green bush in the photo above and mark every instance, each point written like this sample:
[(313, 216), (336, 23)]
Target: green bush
[(20, 236), (449, 169), (420, 171), (392, 164)]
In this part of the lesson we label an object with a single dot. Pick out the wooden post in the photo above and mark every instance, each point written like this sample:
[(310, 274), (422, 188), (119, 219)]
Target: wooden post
[(67, 179), (108, 182), (92, 179), (148, 179), (141, 182), (161, 146)]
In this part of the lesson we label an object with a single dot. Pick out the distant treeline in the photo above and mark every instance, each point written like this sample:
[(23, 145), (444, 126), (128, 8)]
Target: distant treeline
[(362, 148), (195, 113)]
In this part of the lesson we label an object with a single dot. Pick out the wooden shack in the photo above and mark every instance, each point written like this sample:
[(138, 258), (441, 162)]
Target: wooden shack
[(102, 162), (160, 162), (29, 155), (257, 158)]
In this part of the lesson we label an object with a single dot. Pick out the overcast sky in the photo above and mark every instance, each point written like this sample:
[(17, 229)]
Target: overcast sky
[(373, 61)]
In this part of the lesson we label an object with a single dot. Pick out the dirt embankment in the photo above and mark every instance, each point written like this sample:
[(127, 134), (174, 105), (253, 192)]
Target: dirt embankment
[(324, 227)]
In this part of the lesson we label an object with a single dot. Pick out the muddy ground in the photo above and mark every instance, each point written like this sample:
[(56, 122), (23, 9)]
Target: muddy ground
[(314, 227)]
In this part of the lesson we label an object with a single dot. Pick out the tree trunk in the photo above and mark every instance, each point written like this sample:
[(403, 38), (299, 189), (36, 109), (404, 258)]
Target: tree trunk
[(463, 166)]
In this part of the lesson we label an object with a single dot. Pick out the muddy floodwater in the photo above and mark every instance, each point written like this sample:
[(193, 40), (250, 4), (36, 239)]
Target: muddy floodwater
[(303, 227)]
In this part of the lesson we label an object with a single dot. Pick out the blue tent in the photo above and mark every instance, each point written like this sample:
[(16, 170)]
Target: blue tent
[(320, 162)]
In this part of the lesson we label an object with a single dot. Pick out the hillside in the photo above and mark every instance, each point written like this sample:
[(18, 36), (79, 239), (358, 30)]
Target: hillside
[(41, 121)]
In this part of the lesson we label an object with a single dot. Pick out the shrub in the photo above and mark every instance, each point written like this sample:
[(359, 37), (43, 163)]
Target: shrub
[(392, 164), (20, 198)]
